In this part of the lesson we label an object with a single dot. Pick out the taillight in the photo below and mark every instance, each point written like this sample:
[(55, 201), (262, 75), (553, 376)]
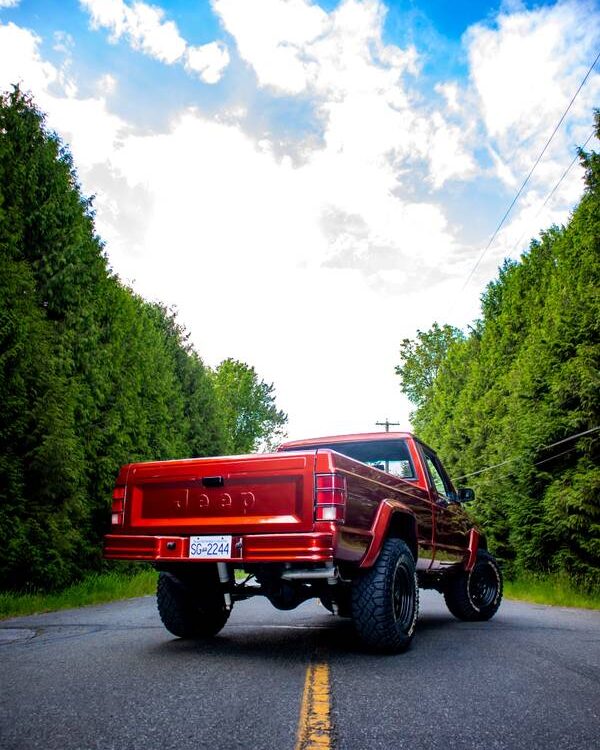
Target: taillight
[(118, 506), (331, 493)]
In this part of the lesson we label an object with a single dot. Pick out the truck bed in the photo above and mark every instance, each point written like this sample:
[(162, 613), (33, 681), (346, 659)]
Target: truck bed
[(266, 503), (208, 495)]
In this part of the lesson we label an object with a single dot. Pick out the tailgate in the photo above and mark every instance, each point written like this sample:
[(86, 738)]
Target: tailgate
[(244, 494)]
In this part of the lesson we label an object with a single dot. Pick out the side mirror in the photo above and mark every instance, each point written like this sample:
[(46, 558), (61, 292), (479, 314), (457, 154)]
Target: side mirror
[(465, 494)]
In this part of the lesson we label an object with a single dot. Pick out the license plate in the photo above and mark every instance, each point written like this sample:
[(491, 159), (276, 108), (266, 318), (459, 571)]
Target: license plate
[(210, 547)]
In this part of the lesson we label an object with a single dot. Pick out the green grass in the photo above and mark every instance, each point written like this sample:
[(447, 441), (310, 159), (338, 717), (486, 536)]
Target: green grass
[(95, 589), (107, 587), (557, 590)]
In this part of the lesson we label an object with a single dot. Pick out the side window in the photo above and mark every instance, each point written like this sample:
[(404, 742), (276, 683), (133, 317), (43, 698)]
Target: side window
[(439, 482), (402, 468)]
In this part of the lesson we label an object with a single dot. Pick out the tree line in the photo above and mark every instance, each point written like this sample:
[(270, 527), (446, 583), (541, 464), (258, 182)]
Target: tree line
[(92, 376), (515, 391)]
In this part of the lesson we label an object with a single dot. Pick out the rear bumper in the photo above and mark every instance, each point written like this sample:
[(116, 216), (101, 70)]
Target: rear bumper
[(251, 548)]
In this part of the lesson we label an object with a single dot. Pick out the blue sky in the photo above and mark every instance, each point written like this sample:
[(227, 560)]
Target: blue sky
[(338, 166), (435, 28)]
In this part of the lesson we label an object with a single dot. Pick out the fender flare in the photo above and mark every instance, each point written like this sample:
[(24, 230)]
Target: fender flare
[(386, 512), (474, 536)]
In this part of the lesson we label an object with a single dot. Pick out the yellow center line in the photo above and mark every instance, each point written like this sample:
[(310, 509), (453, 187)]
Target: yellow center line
[(314, 728)]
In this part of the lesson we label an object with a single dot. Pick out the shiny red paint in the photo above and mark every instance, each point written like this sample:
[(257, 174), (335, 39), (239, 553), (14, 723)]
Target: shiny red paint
[(267, 503), (259, 494), (473, 547), (309, 547)]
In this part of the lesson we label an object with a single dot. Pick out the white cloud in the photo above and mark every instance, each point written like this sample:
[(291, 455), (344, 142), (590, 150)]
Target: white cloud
[(302, 48), (244, 246), (223, 207), (503, 170), (147, 31), (142, 24), (208, 61), (106, 84), (152, 35), (448, 154), (296, 263), (63, 42), (85, 123), (525, 67), (110, 14), (20, 60), (9, 3), (245, 234), (450, 92), (355, 83), (272, 36)]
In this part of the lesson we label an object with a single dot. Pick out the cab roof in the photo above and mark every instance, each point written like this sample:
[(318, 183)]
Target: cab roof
[(353, 438)]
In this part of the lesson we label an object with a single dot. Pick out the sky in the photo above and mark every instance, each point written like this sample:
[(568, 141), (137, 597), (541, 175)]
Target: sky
[(308, 183)]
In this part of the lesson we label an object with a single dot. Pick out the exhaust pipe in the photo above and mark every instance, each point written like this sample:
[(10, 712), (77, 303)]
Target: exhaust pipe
[(225, 580), (329, 574)]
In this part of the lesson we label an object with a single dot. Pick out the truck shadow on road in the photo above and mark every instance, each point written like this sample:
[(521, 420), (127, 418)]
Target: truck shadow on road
[(290, 642)]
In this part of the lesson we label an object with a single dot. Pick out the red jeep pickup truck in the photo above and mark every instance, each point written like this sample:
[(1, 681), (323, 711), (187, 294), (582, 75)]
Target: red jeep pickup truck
[(359, 521)]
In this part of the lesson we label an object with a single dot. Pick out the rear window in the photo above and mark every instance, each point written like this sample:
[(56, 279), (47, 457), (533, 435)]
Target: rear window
[(388, 455)]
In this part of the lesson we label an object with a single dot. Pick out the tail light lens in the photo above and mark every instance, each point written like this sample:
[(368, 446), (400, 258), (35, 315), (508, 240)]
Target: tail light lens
[(331, 494), (118, 506)]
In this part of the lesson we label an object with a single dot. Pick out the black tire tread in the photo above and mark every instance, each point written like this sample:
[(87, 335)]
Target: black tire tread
[(189, 613), (458, 600), (371, 600)]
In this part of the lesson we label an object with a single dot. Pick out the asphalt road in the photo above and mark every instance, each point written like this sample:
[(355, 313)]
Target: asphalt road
[(112, 677)]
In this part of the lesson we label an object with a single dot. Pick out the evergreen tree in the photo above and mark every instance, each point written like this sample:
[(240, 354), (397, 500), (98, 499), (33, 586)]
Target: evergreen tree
[(91, 375)]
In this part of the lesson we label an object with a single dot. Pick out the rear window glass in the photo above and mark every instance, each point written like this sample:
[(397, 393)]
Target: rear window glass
[(388, 455)]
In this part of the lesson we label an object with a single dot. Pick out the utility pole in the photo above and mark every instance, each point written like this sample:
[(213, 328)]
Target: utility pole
[(387, 424)]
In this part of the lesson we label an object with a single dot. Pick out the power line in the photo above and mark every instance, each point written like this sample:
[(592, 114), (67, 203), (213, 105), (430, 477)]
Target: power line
[(537, 161), (539, 447), (545, 460), (554, 189), (556, 455)]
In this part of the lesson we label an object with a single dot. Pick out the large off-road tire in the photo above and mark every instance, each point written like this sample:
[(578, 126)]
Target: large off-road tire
[(191, 609), (476, 594), (385, 599)]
